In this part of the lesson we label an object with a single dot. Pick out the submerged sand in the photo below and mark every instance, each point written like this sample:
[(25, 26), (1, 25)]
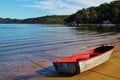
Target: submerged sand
[(37, 67)]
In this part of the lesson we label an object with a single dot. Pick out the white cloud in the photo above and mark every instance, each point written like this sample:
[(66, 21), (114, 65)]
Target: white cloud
[(62, 7), (54, 7), (89, 3)]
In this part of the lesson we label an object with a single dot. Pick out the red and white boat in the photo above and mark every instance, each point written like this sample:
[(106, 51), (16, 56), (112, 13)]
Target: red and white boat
[(84, 61)]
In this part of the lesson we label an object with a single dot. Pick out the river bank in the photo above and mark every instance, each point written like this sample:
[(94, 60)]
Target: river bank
[(92, 25)]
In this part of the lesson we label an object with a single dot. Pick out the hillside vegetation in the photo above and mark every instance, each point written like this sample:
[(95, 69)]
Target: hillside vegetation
[(104, 12), (40, 20), (92, 15)]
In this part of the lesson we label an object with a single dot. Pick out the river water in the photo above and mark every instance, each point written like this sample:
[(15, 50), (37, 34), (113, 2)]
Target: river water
[(28, 50), (57, 40)]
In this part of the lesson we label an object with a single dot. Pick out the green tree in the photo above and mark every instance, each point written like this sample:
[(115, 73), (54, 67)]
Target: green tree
[(106, 11)]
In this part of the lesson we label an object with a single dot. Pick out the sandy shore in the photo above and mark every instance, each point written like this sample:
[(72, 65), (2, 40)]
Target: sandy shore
[(35, 67), (106, 71)]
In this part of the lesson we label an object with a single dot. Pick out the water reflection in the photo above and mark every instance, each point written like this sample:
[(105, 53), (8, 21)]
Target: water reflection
[(99, 29)]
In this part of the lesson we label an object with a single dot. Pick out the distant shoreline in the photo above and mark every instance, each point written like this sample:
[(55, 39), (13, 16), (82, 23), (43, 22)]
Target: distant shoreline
[(90, 25), (76, 25)]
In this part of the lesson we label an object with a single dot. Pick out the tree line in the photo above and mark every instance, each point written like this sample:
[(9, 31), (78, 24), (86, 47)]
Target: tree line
[(54, 19), (104, 12)]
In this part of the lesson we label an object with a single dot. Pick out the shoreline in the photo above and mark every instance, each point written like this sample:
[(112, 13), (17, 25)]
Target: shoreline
[(37, 67), (104, 71), (93, 24)]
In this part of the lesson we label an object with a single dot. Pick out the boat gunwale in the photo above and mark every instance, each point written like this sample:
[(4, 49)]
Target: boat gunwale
[(99, 54), (96, 55)]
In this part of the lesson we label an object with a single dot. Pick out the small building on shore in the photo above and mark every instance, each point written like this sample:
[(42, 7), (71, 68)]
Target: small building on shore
[(106, 22)]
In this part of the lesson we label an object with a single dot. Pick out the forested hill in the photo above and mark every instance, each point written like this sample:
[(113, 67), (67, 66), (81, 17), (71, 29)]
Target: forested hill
[(8, 20), (39, 20), (92, 15), (104, 12)]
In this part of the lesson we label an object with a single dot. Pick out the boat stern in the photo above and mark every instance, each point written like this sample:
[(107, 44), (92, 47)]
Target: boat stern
[(67, 67)]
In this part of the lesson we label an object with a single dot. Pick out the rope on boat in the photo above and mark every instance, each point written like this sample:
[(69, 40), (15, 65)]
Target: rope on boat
[(47, 58), (39, 65)]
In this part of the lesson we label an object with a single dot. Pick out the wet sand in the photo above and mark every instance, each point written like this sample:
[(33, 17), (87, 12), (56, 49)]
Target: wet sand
[(39, 67), (106, 71)]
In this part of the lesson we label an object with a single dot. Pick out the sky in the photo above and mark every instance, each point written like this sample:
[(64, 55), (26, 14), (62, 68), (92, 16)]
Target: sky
[(22, 9)]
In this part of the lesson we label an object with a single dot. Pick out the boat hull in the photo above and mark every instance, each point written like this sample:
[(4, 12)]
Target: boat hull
[(83, 65), (88, 64)]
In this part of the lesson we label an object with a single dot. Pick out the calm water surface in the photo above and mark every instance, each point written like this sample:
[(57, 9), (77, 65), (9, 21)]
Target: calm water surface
[(51, 40), (28, 50)]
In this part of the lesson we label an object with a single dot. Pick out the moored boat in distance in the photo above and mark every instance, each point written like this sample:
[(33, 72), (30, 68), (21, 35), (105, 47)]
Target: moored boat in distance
[(84, 61)]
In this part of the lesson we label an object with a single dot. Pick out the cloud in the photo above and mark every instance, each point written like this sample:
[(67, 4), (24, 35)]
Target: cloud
[(88, 3), (62, 7), (56, 7)]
